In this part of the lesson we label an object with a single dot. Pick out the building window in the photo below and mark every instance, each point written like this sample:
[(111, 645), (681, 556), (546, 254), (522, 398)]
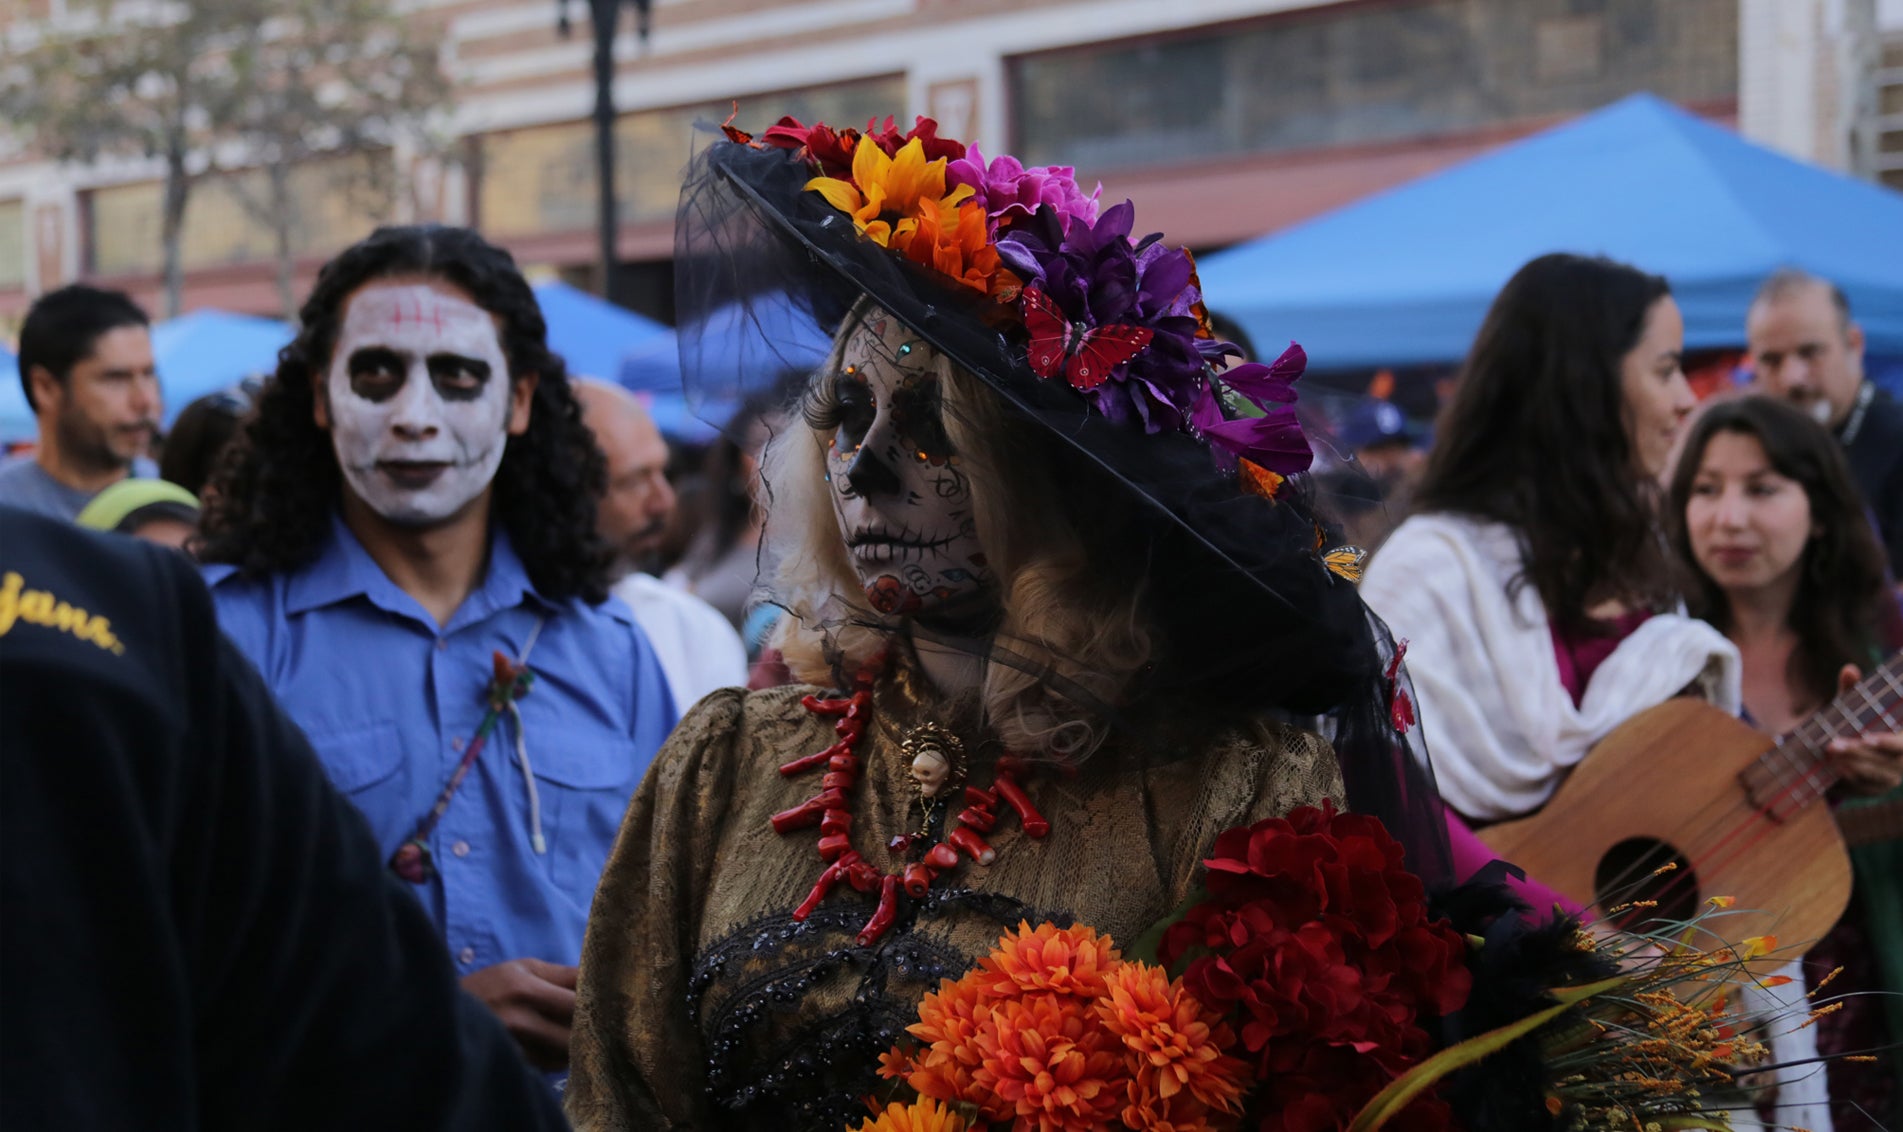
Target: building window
[(1364, 73), (541, 179), (13, 244), (333, 203)]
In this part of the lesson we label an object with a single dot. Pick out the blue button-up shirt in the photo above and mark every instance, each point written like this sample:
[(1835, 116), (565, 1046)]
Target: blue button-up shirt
[(390, 700)]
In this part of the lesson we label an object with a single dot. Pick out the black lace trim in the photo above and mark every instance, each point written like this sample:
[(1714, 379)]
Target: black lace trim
[(769, 1063)]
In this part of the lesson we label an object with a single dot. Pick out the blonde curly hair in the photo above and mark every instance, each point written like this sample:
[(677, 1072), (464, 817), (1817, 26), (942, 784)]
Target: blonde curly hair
[(1071, 598)]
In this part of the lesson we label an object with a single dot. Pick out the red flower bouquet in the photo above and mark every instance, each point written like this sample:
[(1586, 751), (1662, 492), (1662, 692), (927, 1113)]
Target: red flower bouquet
[(1318, 943)]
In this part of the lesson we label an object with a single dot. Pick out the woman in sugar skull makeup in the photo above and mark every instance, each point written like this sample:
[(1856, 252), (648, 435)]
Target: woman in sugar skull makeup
[(405, 543), (1061, 616)]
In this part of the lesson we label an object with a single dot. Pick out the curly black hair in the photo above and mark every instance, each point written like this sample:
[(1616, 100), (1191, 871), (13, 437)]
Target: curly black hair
[(278, 484)]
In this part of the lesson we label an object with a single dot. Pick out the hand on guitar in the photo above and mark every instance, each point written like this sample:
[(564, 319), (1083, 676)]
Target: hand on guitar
[(1871, 763)]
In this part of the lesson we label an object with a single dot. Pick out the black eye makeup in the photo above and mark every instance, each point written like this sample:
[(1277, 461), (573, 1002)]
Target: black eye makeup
[(458, 378), (918, 411), (376, 372)]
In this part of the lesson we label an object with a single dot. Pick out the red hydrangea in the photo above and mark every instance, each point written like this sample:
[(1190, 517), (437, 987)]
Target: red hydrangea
[(832, 149), (1318, 942)]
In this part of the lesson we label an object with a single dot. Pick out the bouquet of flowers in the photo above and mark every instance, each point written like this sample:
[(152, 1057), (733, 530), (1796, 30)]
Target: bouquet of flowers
[(1319, 991)]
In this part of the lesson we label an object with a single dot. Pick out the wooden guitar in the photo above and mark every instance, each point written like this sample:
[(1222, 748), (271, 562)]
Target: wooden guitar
[(1738, 813)]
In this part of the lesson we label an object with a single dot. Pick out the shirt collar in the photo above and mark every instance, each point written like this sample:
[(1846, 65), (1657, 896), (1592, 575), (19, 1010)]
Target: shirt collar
[(343, 570), (1853, 424)]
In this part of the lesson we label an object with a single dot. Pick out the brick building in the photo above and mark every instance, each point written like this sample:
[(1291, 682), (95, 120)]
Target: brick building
[(1224, 119)]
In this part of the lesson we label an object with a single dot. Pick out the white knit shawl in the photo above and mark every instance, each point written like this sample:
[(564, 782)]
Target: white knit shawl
[(1501, 730)]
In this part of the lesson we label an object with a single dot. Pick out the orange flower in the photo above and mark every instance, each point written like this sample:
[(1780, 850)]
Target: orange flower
[(949, 1020), (1178, 1043), (922, 1115), (1148, 1112), (958, 248), (1065, 961), (1050, 1063), (884, 194)]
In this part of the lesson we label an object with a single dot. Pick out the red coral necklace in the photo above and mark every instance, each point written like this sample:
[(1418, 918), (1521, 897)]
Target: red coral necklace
[(829, 810)]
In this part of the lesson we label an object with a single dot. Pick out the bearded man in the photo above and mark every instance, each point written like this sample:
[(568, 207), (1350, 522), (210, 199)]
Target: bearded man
[(87, 371), (407, 549)]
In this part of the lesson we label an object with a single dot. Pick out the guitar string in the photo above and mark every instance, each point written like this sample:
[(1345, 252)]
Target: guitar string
[(1765, 817), (1702, 863)]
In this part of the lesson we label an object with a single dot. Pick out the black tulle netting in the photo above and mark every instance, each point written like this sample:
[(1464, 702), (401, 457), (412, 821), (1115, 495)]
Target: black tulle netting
[(1249, 619)]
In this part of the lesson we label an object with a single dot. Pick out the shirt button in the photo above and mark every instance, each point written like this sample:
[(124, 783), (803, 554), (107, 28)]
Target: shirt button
[(442, 644), (466, 956), (461, 848), (456, 744)]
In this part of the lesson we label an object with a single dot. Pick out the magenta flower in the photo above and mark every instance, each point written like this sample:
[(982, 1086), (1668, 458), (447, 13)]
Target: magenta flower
[(1008, 191)]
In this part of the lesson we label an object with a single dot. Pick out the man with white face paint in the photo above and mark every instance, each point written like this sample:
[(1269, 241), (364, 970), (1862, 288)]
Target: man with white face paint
[(407, 550)]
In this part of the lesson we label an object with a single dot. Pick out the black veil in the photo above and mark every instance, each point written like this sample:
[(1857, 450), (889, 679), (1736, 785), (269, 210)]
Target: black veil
[(1249, 621)]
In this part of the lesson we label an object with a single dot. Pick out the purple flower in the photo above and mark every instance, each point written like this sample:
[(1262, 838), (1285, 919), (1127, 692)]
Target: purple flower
[(1097, 277), (1274, 440), (1008, 192)]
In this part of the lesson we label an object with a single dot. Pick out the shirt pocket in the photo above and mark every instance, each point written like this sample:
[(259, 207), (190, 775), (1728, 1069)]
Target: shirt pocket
[(584, 776), (359, 757)]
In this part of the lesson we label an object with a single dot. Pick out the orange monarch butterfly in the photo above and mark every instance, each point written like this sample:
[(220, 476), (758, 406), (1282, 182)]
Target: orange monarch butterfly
[(1345, 562)]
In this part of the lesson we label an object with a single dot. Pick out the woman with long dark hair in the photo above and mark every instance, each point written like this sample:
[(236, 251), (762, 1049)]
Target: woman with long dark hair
[(1533, 584), (1785, 563)]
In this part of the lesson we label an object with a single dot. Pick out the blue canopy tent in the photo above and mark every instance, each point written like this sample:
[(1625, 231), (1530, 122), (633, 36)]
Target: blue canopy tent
[(16, 420), (590, 333), (1404, 277), (208, 350), (743, 358)]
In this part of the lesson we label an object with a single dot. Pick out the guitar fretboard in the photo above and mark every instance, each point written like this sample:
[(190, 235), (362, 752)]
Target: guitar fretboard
[(1797, 771)]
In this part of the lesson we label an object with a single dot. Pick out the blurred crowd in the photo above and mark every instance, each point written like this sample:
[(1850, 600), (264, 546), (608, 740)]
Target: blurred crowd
[(1752, 538)]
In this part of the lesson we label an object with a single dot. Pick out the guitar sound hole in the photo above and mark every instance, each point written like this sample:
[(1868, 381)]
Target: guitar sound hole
[(1628, 875)]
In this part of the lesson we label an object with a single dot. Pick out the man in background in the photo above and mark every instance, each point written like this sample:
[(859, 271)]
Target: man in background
[(697, 647), (199, 930), (1805, 348), (86, 368)]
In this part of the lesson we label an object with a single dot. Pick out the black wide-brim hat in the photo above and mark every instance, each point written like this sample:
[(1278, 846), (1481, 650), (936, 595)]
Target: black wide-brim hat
[(1248, 615)]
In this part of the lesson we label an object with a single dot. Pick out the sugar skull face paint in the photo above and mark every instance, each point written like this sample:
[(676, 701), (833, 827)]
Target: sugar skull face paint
[(418, 401), (903, 503)]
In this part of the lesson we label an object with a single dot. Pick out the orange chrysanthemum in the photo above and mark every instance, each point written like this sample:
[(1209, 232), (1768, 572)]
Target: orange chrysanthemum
[(1177, 1043), (953, 241), (1065, 961), (949, 1020), (884, 194), (1148, 1112), (1050, 1063), (923, 1115)]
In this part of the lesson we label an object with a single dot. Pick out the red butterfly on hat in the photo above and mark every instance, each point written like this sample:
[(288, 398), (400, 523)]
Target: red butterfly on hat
[(1085, 355)]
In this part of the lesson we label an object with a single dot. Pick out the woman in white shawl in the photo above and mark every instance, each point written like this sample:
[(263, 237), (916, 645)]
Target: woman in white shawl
[(1535, 591), (1533, 585)]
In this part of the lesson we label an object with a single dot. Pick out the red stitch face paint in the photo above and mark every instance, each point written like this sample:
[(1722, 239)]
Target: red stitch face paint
[(418, 395)]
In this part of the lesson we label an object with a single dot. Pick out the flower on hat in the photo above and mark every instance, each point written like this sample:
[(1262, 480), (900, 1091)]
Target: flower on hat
[(1007, 191), (833, 150), (1002, 229), (884, 193)]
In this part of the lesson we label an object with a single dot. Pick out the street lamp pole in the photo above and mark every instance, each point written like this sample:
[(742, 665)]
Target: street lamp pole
[(604, 17)]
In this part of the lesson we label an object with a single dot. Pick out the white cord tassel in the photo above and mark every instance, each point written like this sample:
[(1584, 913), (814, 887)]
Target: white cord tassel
[(536, 840), (528, 780)]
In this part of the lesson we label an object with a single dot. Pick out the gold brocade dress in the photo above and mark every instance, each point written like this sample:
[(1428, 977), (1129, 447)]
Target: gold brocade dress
[(704, 1005)]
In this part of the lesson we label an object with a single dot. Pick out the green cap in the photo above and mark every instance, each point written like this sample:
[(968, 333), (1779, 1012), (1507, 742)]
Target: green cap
[(119, 502)]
